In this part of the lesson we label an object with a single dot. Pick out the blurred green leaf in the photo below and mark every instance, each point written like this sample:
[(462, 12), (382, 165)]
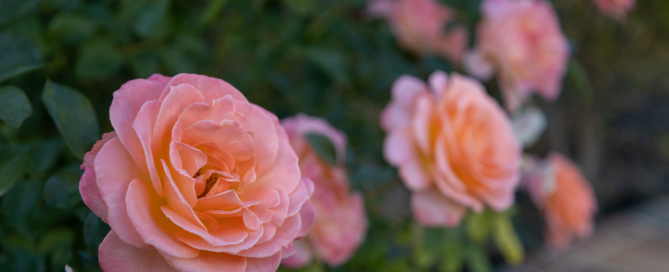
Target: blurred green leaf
[(176, 61), (17, 56), (150, 16), (477, 226), (477, 260), (302, 7), (58, 244), (453, 256), (62, 189), (14, 106), (579, 76), (506, 239), (323, 147), (12, 166), (44, 155), (23, 260), (98, 59), (74, 116), (71, 28), (10, 9), (94, 231), (331, 62)]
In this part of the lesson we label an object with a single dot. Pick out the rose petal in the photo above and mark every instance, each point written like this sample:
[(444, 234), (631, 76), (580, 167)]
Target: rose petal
[(114, 170), (116, 255), (155, 229), (267, 264), (211, 88), (209, 262), (285, 234), (302, 256), (143, 125), (433, 209)]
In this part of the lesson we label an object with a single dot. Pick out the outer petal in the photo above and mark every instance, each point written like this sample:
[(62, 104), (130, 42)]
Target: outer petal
[(210, 261), (115, 169), (284, 174), (433, 209), (285, 234), (302, 256), (265, 138), (128, 100), (88, 188), (115, 255), (268, 264), (211, 88)]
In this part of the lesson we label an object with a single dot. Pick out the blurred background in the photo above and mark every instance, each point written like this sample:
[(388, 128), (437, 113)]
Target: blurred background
[(322, 58)]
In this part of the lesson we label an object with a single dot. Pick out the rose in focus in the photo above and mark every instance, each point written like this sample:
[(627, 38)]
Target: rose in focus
[(420, 26), (454, 147), (567, 200), (522, 41), (337, 233), (617, 9), (194, 178)]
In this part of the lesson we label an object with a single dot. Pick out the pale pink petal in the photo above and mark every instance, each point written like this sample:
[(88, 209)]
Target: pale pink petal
[(302, 256), (267, 264), (302, 124), (209, 262), (114, 170), (128, 100), (88, 188), (405, 89), (229, 135), (300, 196), (308, 215), (398, 147), (211, 88), (176, 101), (265, 139), (115, 255), (143, 125), (155, 229), (477, 66), (285, 234), (284, 174), (433, 209)]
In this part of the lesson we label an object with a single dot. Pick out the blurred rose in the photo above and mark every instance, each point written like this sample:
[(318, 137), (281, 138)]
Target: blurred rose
[(341, 228), (194, 178), (617, 9), (523, 42), (559, 189), (421, 26), (454, 147)]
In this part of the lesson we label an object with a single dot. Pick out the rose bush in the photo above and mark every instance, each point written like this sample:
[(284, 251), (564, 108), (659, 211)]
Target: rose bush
[(454, 147), (522, 41), (194, 178), (419, 26), (335, 236), (559, 189)]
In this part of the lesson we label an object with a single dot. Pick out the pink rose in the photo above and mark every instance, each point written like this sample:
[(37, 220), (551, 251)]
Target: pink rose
[(336, 234), (419, 26), (523, 42), (617, 9), (194, 178), (454, 147), (559, 189)]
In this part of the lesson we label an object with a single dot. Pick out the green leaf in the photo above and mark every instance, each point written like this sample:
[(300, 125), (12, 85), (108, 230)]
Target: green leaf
[(477, 260), (74, 116), (577, 74), (332, 62), (10, 9), (323, 147), (17, 56), (506, 239), (12, 166), (98, 59), (94, 231), (453, 256), (71, 28), (477, 226), (150, 16), (62, 189), (44, 155), (14, 106)]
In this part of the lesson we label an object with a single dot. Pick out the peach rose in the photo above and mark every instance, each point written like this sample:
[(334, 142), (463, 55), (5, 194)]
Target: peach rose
[(336, 235), (523, 42), (559, 189), (617, 9), (454, 147), (194, 178), (419, 26)]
